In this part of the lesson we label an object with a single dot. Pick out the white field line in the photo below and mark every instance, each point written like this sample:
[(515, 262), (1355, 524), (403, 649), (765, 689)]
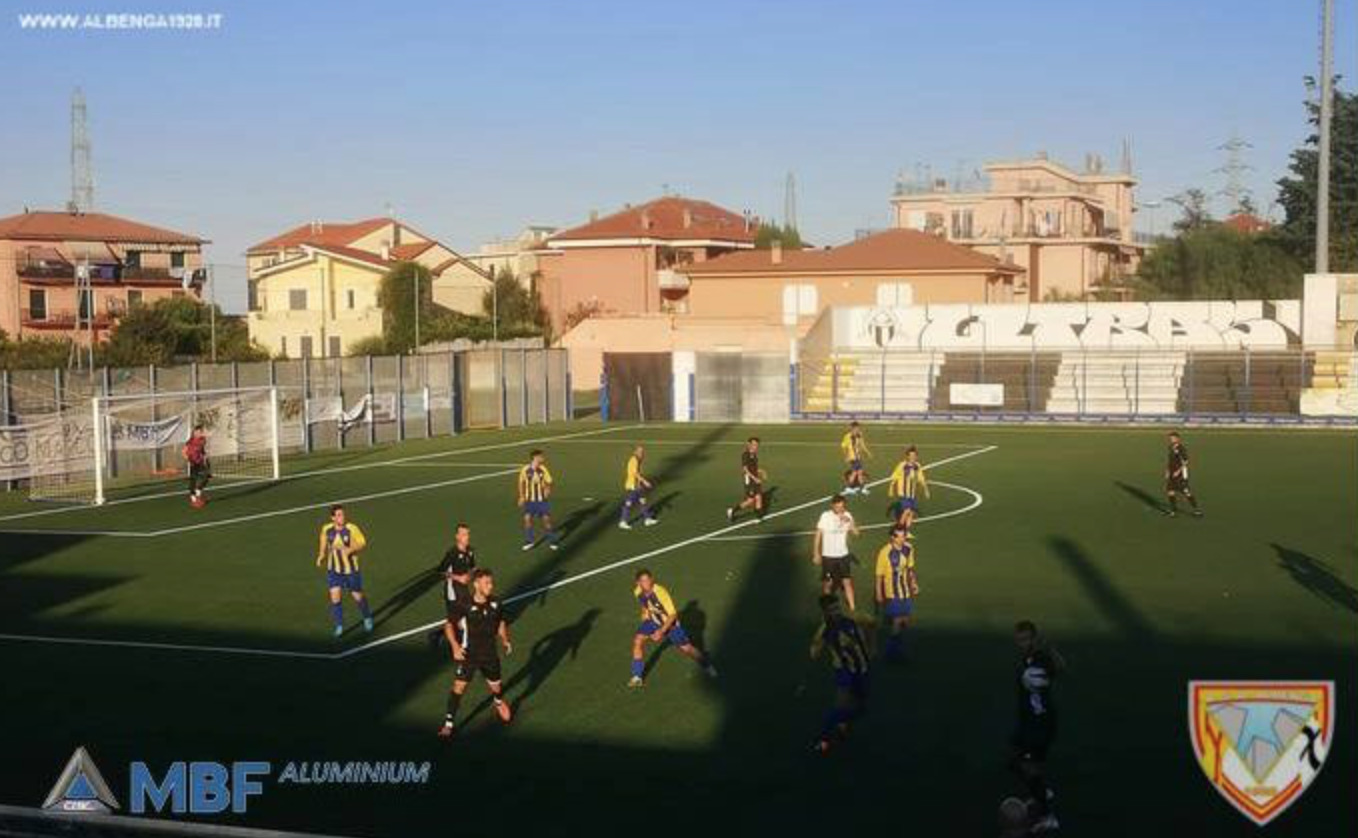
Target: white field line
[(766, 443), (976, 500), (321, 472), (356, 650), (714, 534), (456, 465), (273, 513)]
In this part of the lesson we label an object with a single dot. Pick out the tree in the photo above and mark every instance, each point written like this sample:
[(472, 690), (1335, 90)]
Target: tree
[(175, 328), (786, 235), (1216, 262), (1196, 214), (1297, 192), (33, 353), (517, 308), (396, 296)]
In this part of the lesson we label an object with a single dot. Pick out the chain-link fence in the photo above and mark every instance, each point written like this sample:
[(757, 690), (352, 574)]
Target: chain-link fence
[(1227, 386), (326, 403)]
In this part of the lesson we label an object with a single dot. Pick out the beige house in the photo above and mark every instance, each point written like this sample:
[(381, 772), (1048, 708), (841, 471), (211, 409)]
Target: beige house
[(1070, 231), (891, 268), (128, 264), (313, 290)]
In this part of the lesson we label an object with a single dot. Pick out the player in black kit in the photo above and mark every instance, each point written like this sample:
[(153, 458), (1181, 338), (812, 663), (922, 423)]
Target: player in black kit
[(1176, 477), (1035, 730), (751, 480), (473, 626), (456, 568)]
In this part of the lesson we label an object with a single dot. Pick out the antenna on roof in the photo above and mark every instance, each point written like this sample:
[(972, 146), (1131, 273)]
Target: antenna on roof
[(82, 171)]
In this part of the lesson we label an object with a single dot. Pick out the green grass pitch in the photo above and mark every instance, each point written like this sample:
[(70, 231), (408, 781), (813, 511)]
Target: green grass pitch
[(176, 605)]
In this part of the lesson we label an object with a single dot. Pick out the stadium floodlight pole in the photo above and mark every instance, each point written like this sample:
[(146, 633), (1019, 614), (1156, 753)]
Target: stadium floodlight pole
[(1326, 112), (415, 275)]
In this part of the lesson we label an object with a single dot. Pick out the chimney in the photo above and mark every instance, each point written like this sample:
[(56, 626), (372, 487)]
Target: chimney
[(776, 252), (688, 218), (645, 219)]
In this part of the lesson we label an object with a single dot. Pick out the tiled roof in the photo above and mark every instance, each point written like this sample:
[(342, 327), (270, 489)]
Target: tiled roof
[(323, 233), (406, 252), (664, 218), (1245, 222), (87, 226), (355, 254), (893, 250)]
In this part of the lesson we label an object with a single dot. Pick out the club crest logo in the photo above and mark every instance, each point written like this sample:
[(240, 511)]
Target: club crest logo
[(1261, 743), (882, 326), (80, 788)]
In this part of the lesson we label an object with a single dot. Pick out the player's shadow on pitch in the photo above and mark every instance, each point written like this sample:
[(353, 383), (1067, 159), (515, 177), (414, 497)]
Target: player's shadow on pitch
[(694, 621), (410, 591), (658, 508), (1140, 494), (579, 516), (1317, 577), (549, 652)]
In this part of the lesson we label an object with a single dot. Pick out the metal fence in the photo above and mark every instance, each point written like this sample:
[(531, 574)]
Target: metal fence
[(406, 396), (1318, 386)]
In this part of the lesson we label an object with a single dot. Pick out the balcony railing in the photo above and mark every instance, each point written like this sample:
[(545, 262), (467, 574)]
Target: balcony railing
[(66, 318), (39, 270)]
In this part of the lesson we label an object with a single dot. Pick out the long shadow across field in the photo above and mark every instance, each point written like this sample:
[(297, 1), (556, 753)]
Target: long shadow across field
[(1317, 577)]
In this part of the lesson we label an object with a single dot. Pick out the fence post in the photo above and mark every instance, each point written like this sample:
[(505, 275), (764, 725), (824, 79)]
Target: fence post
[(455, 393), (1247, 401), (1192, 383), (372, 412), (834, 384), (793, 395), (428, 402), (400, 398), (504, 391), (603, 391), (6, 416), (1084, 380), (929, 384), (546, 355), (1136, 380), (1032, 377), (152, 385), (881, 407)]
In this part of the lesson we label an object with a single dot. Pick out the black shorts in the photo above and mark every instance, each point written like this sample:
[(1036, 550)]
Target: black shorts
[(1031, 742), (753, 489), (489, 667), (1178, 485), (836, 568)]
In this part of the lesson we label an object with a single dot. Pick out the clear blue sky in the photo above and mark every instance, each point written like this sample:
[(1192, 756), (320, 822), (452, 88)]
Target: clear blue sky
[(474, 119)]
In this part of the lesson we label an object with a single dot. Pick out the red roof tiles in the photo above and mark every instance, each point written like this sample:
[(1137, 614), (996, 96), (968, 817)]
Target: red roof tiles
[(322, 233), (87, 226), (667, 218), (898, 250)]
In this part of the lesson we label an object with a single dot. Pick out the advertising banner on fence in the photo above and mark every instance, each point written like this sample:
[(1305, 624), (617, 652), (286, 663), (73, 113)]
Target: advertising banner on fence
[(976, 395), (44, 447), (141, 436)]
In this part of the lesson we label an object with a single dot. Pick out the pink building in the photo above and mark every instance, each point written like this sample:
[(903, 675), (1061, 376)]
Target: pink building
[(129, 263), (626, 263), (1070, 231)]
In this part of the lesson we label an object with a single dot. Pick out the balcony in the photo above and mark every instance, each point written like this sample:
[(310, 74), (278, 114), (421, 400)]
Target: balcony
[(45, 271), (61, 319)]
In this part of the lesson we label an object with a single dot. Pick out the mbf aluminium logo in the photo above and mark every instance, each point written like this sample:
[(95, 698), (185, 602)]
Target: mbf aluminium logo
[(1261, 743), (80, 788)]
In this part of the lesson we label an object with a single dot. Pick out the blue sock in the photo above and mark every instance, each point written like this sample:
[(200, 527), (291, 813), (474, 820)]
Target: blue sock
[(528, 535), (364, 609), (638, 667), (337, 613), (622, 516)]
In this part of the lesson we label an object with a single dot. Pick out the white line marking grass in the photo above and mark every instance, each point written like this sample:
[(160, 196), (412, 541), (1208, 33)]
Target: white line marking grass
[(518, 597), (321, 472)]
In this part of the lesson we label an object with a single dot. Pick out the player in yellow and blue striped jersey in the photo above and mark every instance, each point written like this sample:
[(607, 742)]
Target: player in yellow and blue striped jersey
[(341, 542), (854, 447), (847, 645), (896, 588), (907, 482), (660, 624), (535, 492), (634, 487)]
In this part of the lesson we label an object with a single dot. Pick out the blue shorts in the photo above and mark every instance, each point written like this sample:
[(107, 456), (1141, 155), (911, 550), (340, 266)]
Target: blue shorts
[(537, 508), (676, 637), (856, 683), (894, 608), (633, 496), (898, 508), (344, 581), (855, 465)]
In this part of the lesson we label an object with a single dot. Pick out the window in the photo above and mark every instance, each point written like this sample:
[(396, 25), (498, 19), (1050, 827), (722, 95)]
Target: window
[(133, 297), (132, 259), (252, 295), (798, 301), (86, 304), (37, 304), (895, 294), (961, 224), (306, 346), (283, 346), (350, 296), (177, 259), (297, 299), (335, 345)]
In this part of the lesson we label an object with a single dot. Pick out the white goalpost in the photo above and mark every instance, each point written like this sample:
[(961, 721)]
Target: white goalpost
[(132, 442)]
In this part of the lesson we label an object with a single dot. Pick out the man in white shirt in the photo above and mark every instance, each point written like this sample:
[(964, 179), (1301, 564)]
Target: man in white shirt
[(830, 551)]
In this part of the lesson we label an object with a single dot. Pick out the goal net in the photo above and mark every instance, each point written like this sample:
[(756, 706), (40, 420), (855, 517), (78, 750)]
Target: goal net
[(125, 444)]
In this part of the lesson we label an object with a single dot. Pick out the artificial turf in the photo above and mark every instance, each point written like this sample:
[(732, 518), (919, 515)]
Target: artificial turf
[(1069, 534)]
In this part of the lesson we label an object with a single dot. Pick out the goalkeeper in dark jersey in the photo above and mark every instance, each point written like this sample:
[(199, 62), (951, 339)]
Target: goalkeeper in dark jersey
[(1176, 477), (200, 467), (1035, 730)]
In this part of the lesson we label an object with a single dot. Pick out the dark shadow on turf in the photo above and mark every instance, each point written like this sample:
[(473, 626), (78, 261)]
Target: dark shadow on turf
[(1140, 494), (1095, 582), (407, 594), (664, 503), (1317, 577), (694, 621), (550, 651)]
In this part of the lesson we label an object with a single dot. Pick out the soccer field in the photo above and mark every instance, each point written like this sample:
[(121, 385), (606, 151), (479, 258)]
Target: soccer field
[(147, 630)]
